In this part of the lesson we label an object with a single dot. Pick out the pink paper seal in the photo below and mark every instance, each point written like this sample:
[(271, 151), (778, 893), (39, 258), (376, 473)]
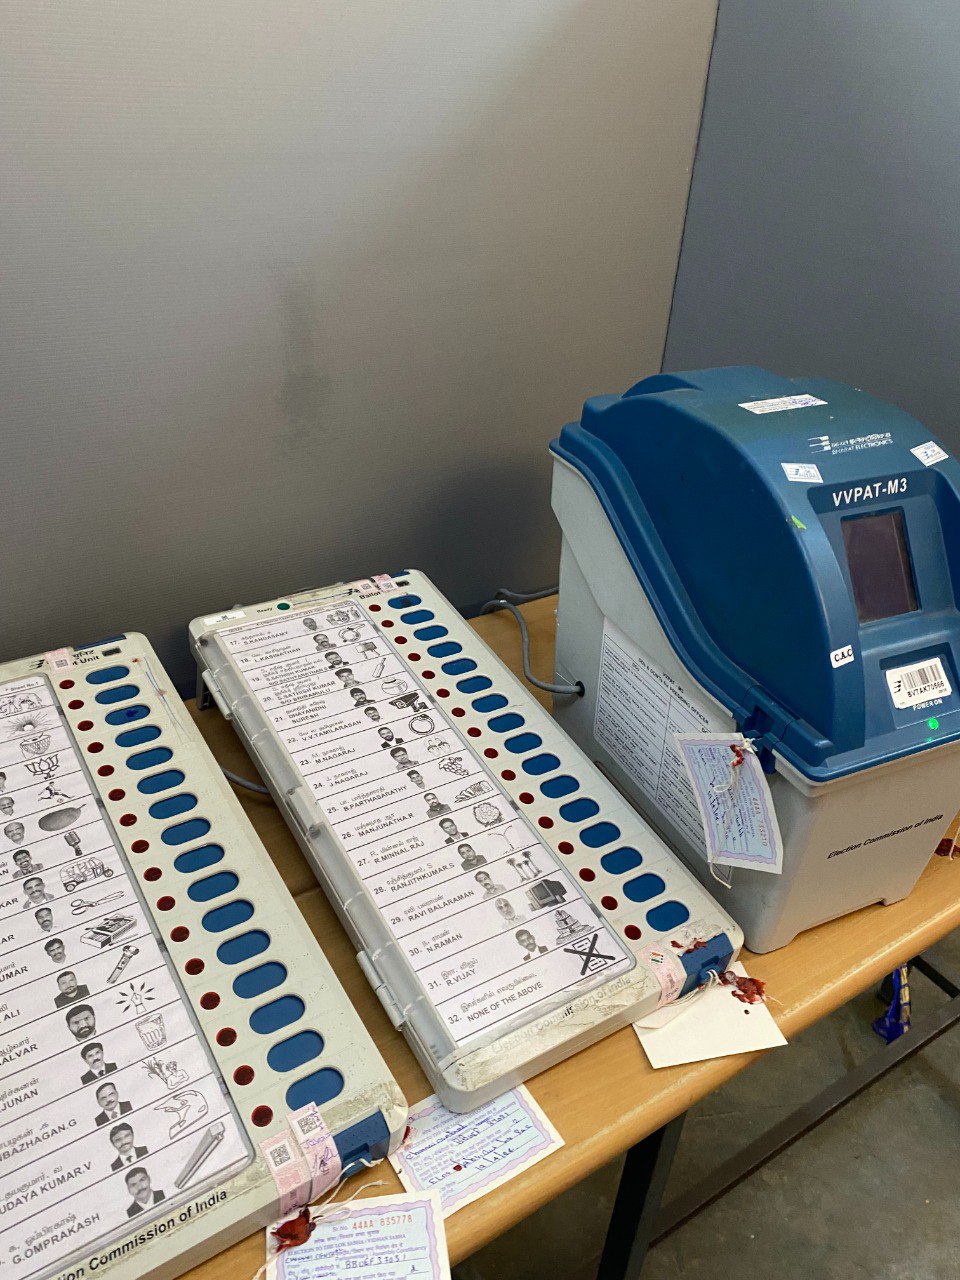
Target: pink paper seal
[(289, 1170), (318, 1148)]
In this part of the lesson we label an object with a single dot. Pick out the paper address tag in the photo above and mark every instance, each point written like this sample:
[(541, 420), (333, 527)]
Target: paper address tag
[(381, 1238), (465, 1156), (716, 1023), (733, 795)]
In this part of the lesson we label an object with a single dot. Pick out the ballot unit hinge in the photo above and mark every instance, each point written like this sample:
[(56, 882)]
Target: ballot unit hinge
[(384, 995), (304, 810), (213, 690)]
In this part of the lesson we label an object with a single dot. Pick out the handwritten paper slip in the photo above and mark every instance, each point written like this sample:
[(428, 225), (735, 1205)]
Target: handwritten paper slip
[(111, 1110), (491, 926), (716, 1024), (733, 795), (383, 1238), (464, 1156)]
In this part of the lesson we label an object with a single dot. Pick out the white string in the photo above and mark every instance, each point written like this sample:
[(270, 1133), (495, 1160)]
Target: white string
[(331, 1212), (727, 884)]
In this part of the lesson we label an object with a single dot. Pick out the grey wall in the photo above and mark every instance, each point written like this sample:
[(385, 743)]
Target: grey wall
[(823, 233), (300, 291)]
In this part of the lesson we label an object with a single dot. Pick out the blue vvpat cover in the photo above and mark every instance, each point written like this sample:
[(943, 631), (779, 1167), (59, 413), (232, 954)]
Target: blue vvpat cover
[(732, 491)]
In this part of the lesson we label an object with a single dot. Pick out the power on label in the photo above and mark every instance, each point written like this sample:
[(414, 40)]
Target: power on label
[(917, 683)]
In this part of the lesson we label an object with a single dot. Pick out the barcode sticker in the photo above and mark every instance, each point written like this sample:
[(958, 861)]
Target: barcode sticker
[(59, 659), (372, 586), (918, 683)]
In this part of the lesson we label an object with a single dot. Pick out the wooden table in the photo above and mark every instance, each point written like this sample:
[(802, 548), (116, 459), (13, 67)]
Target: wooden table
[(814, 975)]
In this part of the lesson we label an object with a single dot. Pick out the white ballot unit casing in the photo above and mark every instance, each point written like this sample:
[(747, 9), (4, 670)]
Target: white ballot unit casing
[(508, 906), (168, 1019), (743, 553)]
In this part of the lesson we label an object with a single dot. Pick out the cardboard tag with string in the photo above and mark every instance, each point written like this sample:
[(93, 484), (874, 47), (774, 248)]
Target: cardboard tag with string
[(736, 807)]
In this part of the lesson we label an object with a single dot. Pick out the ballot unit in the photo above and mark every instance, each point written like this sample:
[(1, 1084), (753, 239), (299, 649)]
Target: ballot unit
[(166, 1013), (507, 905)]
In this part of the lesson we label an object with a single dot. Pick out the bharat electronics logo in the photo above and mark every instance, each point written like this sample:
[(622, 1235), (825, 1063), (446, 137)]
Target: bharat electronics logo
[(853, 444)]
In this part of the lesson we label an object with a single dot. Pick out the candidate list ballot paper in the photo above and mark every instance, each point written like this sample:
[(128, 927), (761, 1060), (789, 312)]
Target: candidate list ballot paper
[(492, 927), (111, 1111)]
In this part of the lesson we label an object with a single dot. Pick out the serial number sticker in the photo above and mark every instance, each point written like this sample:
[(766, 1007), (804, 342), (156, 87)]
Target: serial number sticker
[(929, 453), (59, 659), (222, 617), (801, 472), (917, 683), (779, 404)]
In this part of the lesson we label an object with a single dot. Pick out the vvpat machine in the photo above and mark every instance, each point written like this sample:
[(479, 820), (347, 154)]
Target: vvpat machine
[(779, 557)]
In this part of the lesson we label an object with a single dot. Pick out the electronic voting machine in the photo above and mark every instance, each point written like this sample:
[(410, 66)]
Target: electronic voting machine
[(779, 558), (164, 1007), (508, 906)]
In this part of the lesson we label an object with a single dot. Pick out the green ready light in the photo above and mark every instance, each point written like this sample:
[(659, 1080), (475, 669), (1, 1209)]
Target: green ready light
[(933, 723)]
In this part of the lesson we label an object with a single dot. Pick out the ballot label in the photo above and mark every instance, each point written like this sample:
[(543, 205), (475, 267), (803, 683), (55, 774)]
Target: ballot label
[(490, 923), (111, 1109), (918, 684), (640, 709)]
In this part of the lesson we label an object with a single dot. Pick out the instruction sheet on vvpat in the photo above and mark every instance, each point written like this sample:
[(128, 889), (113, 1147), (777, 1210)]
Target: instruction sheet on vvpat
[(639, 710)]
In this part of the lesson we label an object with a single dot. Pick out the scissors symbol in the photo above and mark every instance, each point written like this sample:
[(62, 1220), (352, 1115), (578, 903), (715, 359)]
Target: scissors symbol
[(79, 905)]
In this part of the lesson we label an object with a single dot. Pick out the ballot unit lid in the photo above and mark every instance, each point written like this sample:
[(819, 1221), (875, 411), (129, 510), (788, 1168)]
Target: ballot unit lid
[(799, 542)]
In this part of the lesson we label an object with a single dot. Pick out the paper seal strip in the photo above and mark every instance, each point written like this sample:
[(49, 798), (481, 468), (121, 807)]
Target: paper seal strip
[(289, 1170), (318, 1148)]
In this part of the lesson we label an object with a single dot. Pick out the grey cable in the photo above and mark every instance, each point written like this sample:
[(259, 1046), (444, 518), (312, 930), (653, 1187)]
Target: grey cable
[(524, 597), (575, 689), (245, 782)]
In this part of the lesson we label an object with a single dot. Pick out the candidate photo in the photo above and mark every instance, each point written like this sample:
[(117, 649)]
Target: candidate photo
[(93, 1056), (70, 989), (144, 1196), (113, 1106), (124, 1143)]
